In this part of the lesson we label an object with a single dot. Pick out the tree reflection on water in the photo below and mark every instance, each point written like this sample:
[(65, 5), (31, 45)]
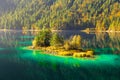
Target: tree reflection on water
[(105, 42), (99, 41)]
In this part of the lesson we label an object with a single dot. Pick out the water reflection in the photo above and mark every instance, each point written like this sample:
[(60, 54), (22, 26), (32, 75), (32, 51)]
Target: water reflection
[(104, 42), (15, 39), (18, 63), (101, 42)]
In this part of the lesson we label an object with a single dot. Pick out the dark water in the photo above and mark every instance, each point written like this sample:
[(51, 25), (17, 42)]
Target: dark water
[(19, 63)]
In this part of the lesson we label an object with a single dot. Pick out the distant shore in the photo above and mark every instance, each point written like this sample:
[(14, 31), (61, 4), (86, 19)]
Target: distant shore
[(17, 30), (86, 31)]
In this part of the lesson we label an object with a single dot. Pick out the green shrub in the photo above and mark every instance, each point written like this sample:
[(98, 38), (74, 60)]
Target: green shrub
[(67, 45), (56, 40), (76, 42), (43, 38)]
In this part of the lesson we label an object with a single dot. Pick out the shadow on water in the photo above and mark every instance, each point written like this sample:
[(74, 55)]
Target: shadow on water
[(19, 63)]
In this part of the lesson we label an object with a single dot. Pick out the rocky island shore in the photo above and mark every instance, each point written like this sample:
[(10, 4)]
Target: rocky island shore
[(54, 44), (60, 51)]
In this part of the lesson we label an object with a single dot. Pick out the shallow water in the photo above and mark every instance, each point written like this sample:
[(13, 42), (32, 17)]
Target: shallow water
[(19, 63)]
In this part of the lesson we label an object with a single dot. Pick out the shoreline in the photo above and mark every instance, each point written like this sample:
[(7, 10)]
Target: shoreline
[(65, 53), (17, 30), (107, 31)]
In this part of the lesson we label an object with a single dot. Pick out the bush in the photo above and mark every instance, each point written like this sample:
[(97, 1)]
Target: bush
[(64, 53), (56, 40), (67, 45), (43, 38), (34, 43), (73, 43), (76, 42)]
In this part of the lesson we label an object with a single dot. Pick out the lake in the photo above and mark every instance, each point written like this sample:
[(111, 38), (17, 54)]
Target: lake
[(19, 63)]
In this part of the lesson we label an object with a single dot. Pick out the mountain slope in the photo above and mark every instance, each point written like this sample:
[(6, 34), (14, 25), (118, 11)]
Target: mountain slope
[(63, 14), (7, 5)]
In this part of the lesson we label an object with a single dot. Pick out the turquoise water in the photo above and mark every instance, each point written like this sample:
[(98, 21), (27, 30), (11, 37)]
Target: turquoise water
[(19, 63), (104, 67)]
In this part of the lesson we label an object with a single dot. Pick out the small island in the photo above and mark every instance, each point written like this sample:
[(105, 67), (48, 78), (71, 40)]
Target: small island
[(55, 44)]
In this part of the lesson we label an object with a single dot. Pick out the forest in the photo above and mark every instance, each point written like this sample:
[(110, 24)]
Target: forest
[(60, 14)]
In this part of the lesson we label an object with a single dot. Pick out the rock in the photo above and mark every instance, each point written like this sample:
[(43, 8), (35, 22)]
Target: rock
[(84, 54), (33, 47), (80, 54), (89, 54), (76, 55)]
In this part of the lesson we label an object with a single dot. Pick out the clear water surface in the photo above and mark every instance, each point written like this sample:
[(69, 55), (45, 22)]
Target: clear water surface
[(19, 63)]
